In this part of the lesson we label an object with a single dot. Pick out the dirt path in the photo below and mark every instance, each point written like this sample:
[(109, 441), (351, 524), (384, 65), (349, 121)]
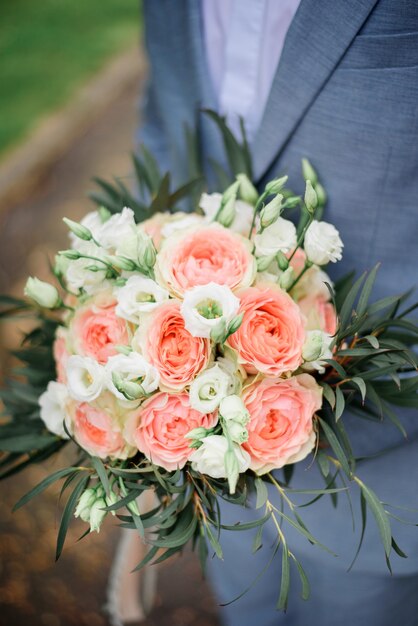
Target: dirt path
[(33, 590)]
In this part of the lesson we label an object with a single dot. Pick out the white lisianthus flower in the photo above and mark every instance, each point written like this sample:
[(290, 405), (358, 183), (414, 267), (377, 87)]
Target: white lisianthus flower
[(86, 501), (233, 408), (85, 378), (52, 403), (113, 232), (322, 243), (208, 389), (97, 514), (210, 204), (209, 458), (44, 294), (132, 368), (208, 307), (139, 295), (315, 350), (279, 237)]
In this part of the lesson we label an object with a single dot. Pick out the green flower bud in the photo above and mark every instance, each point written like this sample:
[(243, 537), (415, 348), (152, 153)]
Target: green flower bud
[(231, 470), (44, 294), (73, 255), (311, 199), (197, 433), (97, 514), (79, 230), (282, 261), (227, 213), (247, 191), (264, 262), (308, 172), (321, 194), (287, 278), (274, 186), (235, 323), (313, 346), (271, 211), (121, 263), (219, 333), (230, 192), (146, 251), (131, 390), (110, 500)]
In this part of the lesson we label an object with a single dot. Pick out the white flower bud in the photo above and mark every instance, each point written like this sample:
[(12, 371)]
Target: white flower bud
[(97, 514), (316, 350), (236, 431), (130, 377), (271, 211), (322, 243), (233, 408), (264, 262), (44, 294), (197, 433), (84, 505), (110, 500)]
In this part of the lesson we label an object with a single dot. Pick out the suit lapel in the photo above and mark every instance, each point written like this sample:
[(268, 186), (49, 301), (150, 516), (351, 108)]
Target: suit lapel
[(318, 37)]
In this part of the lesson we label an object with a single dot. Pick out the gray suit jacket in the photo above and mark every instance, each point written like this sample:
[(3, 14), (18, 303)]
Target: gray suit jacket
[(345, 95)]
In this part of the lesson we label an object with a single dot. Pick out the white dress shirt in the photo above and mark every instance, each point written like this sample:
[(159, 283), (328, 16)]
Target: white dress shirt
[(243, 41)]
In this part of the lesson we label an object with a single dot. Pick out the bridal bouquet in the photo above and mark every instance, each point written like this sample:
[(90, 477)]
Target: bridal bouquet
[(201, 355)]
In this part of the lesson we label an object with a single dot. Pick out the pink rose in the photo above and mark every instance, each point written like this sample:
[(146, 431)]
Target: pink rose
[(96, 431), (96, 330), (271, 336), (164, 420), (177, 355), (280, 430), (203, 255), (319, 314), (61, 355)]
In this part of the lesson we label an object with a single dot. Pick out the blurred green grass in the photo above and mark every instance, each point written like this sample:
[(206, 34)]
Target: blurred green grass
[(49, 48)]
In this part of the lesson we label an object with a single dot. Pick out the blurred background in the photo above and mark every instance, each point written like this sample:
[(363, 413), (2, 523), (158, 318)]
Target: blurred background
[(71, 75)]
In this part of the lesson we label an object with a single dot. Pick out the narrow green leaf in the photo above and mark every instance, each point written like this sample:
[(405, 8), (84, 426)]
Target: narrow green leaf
[(336, 446), (363, 508), (101, 473), (366, 291), (339, 403), (397, 549), (68, 514), (285, 581), (373, 341), (379, 514), (258, 539), (359, 382), (49, 480), (214, 542), (329, 394), (306, 588), (262, 493)]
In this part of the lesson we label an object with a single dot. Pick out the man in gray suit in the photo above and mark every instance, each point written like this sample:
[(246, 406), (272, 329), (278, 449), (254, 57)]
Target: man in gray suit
[(344, 95)]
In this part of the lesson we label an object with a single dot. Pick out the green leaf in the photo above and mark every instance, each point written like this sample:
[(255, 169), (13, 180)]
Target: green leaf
[(247, 525), (68, 514), (285, 581), (366, 291), (258, 539), (262, 493), (49, 480), (363, 508), (101, 473), (238, 160), (214, 542), (373, 341), (329, 394), (379, 514), (339, 403), (306, 588), (336, 446), (347, 307), (397, 549), (359, 382)]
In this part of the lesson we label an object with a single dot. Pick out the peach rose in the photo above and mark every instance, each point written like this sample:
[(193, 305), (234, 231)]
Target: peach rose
[(280, 430), (96, 330), (164, 420), (97, 431), (166, 344), (202, 255), (61, 354), (271, 336), (319, 314)]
